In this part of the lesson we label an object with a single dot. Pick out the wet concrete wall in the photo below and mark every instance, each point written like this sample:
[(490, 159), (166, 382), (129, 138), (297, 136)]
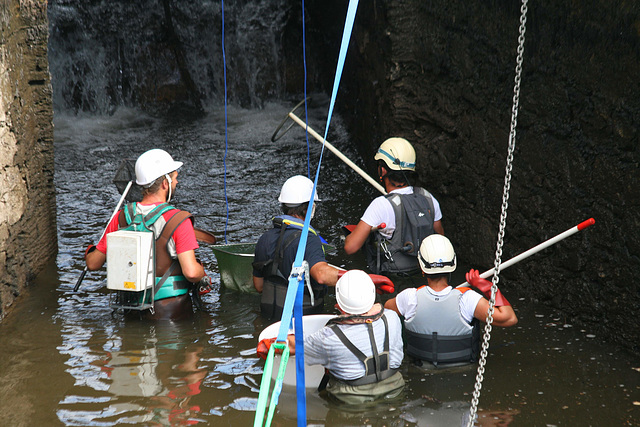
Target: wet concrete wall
[(27, 196), (441, 74)]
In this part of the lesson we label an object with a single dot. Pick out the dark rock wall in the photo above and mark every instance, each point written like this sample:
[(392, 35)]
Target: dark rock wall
[(441, 74), (28, 238)]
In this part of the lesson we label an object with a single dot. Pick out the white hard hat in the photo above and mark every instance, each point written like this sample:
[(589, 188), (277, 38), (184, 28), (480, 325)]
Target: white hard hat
[(398, 154), (437, 255), (355, 292), (297, 190), (153, 164)]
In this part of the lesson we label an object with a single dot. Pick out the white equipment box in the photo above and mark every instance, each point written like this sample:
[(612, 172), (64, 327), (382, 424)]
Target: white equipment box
[(130, 260)]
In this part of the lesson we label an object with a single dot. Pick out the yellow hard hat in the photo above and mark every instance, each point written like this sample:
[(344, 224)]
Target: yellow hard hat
[(398, 154)]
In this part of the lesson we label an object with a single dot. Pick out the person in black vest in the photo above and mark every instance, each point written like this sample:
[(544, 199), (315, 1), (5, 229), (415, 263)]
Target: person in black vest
[(157, 173), (409, 214), (276, 251), (441, 322)]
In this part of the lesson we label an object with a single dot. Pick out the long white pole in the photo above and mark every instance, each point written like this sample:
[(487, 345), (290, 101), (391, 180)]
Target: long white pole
[(124, 194), (341, 156), (536, 249)]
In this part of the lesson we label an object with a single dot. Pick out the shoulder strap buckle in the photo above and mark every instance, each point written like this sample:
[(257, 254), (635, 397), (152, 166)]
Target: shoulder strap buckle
[(303, 272)]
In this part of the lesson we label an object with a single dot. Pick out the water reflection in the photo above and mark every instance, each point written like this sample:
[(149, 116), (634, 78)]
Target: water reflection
[(74, 363), (151, 379)]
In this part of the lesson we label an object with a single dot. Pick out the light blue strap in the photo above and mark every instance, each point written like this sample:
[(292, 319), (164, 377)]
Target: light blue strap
[(295, 279)]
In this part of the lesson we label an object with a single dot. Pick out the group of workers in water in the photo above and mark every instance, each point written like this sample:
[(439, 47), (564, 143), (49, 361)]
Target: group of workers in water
[(401, 233)]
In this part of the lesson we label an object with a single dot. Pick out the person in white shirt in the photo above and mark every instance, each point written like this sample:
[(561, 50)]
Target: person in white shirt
[(362, 348), (440, 321), (408, 213)]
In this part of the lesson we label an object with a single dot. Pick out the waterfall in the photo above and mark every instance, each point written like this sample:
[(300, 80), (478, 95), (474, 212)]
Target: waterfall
[(104, 53)]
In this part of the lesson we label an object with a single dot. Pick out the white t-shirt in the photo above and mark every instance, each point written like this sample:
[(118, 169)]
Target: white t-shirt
[(380, 210), (325, 348), (407, 302)]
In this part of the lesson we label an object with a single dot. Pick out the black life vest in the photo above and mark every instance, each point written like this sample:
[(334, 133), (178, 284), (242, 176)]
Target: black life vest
[(414, 214), (275, 285)]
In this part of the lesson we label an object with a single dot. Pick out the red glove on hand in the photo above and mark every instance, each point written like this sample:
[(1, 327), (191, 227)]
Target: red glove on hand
[(90, 249), (384, 285), (484, 286), (265, 345), (204, 285)]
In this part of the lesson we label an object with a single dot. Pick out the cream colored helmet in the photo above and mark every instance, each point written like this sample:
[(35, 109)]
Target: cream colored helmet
[(437, 255), (153, 164), (398, 154), (355, 292)]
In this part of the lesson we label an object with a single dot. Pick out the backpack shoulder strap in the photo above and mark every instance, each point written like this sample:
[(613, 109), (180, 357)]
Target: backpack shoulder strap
[(427, 195), (172, 224), (156, 212), (129, 213)]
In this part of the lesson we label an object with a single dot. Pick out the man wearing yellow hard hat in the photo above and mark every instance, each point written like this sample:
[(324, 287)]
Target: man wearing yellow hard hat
[(394, 225)]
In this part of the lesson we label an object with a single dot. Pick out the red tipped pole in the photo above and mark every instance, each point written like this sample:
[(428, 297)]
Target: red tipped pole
[(538, 248)]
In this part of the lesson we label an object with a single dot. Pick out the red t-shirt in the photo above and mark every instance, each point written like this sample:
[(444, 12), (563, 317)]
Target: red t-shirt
[(184, 236)]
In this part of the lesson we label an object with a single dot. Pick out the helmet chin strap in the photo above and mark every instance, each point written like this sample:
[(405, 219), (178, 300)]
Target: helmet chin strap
[(166, 175)]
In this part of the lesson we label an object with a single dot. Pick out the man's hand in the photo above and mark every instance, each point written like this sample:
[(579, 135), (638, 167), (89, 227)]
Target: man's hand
[(204, 286), (484, 286), (265, 345), (384, 285)]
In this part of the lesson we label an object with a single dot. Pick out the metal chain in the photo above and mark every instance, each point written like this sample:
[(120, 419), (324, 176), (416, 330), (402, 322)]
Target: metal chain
[(503, 218)]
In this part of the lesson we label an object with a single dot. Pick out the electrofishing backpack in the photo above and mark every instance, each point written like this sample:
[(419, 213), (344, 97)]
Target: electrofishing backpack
[(414, 214), (131, 254)]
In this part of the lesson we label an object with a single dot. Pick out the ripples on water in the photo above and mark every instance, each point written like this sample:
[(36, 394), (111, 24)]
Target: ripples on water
[(66, 359)]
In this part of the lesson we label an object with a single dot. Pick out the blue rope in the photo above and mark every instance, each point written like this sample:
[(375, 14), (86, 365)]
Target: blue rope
[(226, 133), (306, 113), (301, 392)]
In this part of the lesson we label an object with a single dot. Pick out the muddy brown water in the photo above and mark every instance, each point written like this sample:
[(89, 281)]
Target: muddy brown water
[(67, 359)]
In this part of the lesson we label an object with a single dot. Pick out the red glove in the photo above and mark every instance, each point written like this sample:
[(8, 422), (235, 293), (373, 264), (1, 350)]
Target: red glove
[(484, 286), (204, 285), (90, 249), (384, 285), (265, 345)]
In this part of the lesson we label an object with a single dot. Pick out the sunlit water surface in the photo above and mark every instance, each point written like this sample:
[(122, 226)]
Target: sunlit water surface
[(67, 359)]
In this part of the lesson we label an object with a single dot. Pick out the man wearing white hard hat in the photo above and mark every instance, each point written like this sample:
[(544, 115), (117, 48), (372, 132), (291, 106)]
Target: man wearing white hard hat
[(362, 348), (276, 251), (157, 174), (409, 214), (442, 323)]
